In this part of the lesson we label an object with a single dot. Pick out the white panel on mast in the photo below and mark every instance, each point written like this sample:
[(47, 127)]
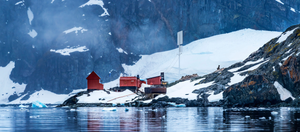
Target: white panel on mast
[(179, 43), (180, 38)]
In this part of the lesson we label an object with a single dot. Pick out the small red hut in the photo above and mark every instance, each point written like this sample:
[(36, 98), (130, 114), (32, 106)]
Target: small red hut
[(131, 82), (154, 80), (93, 82)]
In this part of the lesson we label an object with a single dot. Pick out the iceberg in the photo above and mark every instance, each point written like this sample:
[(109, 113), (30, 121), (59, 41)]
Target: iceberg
[(109, 109), (274, 113), (171, 103), (38, 104), (23, 106), (181, 105)]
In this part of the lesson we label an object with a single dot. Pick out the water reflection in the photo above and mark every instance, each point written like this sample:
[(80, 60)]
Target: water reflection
[(135, 119), (261, 119), (147, 119)]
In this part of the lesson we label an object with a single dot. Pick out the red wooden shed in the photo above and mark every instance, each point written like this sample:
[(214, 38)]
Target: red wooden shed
[(131, 82), (154, 80), (93, 82)]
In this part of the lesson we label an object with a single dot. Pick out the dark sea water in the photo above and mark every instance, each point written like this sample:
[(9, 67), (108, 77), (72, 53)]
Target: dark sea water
[(148, 119)]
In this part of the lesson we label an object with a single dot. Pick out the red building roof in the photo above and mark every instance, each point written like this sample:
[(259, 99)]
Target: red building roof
[(93, 76)]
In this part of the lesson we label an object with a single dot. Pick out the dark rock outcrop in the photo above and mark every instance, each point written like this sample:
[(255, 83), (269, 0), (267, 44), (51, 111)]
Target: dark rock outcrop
[(73, 100), (290, 73), (254, 90), (279, 63), (217, 88), (276, 62)]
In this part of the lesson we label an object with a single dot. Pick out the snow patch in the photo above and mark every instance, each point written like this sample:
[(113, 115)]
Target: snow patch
[(75, 29), (215, 98), (284, 59), (33, 33), (235, 69), (280, 2), (20, 2), (292, 9), (253, 62), (96, 2), (289, 51), (30, 15), (284, 93), (236, 78), (285, 35), (67, 51), (120, 50), (8, 87), (256, 66)]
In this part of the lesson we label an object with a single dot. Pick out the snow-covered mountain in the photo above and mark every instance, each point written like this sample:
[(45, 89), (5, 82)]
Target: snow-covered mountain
[(270, 76), (200, 57), (55, 44)]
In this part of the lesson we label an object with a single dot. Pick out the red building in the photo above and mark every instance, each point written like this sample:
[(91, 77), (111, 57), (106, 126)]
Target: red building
[(154, 80), (130, 82), (93, 82), (157, 86)]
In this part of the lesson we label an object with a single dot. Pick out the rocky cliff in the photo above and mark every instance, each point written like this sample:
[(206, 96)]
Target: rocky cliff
[(269, 76), (35, 34)]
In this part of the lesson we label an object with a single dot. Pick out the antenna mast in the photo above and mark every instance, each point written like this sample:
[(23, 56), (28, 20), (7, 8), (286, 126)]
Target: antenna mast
[(179, 43)]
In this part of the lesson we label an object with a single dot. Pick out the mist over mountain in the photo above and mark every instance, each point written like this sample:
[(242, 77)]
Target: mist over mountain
[(55, 44)]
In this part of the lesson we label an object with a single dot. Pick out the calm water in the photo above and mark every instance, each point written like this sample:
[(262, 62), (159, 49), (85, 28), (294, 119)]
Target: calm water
[(146, 119)]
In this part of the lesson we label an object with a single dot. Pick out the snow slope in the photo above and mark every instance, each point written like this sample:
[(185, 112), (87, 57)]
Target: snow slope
[(284, 93), (202, 56), (185, 89), (7, 86), (102, 97), (43, 96)]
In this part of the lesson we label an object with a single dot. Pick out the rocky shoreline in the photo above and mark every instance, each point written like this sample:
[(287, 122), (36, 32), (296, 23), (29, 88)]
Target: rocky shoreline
[(165, 102)]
